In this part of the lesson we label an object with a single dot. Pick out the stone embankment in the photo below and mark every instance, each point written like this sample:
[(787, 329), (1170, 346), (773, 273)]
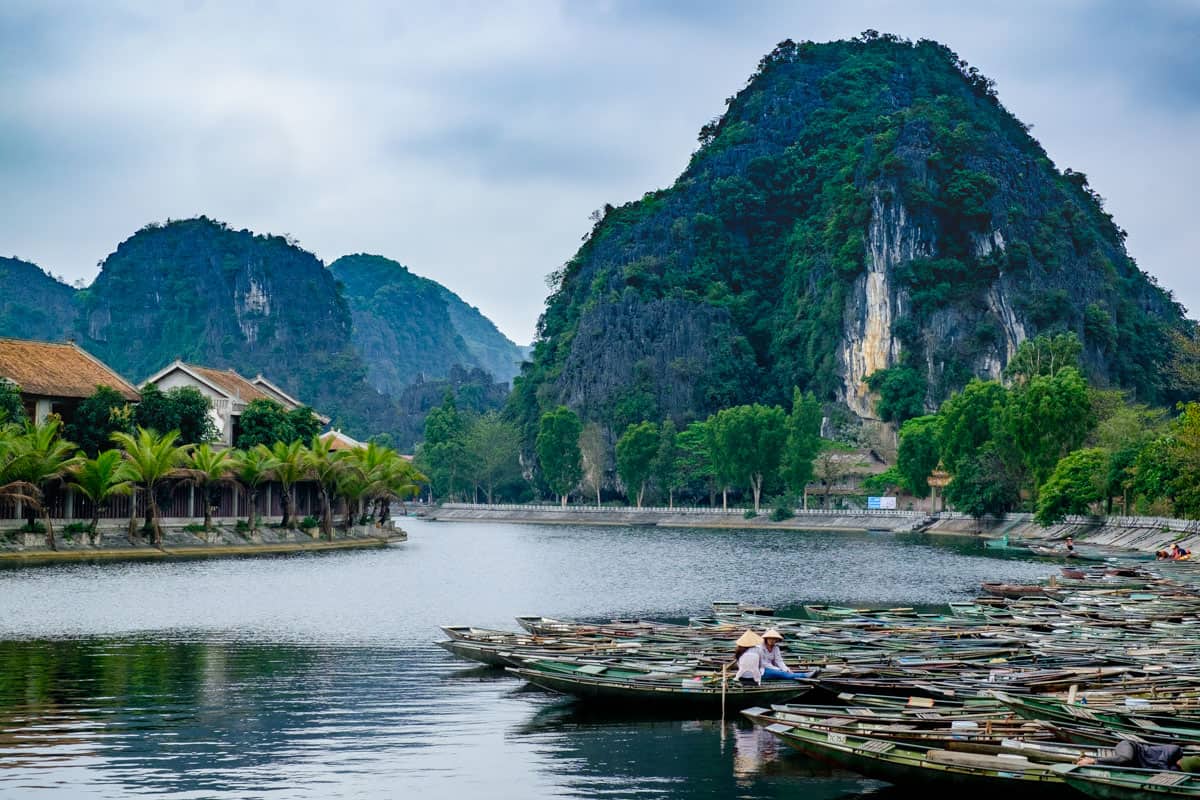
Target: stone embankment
[(183, 540), (675, 517), (1135, 533)]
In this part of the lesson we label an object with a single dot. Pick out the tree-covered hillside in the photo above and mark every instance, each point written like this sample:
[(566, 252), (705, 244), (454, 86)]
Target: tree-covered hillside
[(408, 327), (865, 221), (34, 305), (200, 291)]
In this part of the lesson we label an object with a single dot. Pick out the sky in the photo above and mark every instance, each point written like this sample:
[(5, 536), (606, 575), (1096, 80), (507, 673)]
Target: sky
[(471, 141)]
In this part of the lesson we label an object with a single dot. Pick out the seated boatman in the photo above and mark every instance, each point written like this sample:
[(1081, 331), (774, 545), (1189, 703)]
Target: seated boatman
[(1146, 756), (772, 658), (748, 656)]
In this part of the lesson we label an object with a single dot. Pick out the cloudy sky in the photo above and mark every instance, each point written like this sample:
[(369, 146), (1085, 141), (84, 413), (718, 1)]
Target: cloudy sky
[(470, 141)]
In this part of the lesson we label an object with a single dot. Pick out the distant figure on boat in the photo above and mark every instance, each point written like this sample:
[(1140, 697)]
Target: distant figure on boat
[(749, 659), (1070, 546), (1144, 756), (771, 658), (1179, 553)]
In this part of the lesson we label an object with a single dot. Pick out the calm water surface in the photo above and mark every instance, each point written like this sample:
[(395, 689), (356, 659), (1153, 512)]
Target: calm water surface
[(316, 677)]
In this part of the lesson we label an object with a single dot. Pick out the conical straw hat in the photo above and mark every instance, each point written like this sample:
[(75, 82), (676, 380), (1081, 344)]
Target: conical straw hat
[(771, 633), (749, 639)]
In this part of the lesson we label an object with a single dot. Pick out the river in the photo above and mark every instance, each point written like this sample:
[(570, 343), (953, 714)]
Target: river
[(315, 676)]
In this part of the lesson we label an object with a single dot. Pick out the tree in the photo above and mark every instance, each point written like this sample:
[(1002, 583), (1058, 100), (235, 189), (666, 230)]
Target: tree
[(1184, 366), (151, 459), (666, 461), (636, 451), (919, 454), (41, 458), (901, 392), (289, 467), (557, 447), (749, 443), (1046, 418), (1079, 480), (984, 485), (264, 422), (305, 424), (100, 479), (12, 410), (97, 418), (970, 419), (803, 442), (208, 469), (1043, 356), (493, 444), (830, 467), (324, 465), (182, 408), (252, 468), (694, 462), (443, 455), (593, 452)]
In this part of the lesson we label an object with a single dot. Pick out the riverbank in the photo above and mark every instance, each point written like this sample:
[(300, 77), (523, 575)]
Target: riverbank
[(183, 541), (661, 517), (1145, 534)]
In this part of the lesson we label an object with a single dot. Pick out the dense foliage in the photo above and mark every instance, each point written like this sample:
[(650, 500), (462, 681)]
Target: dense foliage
[(742, 279), (264, 422), (181, 408), (34, 305)]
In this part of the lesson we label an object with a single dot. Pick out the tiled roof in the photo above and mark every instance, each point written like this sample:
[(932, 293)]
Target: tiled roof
[(341, 441), (58, 370), (228, 381)]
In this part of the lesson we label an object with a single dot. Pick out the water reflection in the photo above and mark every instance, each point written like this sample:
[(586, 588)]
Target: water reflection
[(315, 677)]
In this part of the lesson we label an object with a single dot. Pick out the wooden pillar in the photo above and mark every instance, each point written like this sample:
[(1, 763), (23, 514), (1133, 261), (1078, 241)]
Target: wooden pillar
[(191, 500), (69, 510), (236, 491)]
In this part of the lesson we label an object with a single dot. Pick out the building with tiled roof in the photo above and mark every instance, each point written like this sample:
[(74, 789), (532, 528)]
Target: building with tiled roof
[(228, 391), (55, 376)]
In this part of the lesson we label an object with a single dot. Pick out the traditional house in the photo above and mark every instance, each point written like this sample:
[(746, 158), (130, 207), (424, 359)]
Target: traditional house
[(228, 391), (340, 441), (55, 377)]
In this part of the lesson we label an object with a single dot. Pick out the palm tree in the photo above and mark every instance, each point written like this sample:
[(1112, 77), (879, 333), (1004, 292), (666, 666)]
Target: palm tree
[(99, 479), (291, 467), (151, 459), (252, 468), (41, 458), (387, 476), (207, 469), (353, 483), (13, 486), (324, 466)]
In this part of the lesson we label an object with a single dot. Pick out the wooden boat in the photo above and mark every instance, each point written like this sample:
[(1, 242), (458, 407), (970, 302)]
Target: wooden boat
[(1017, 590), (941, 731), (916, 765), (699, 690), (1120, 783)]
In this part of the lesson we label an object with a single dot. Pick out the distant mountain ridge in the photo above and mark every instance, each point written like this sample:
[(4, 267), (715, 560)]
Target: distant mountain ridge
[(203, 292), (406, 326)]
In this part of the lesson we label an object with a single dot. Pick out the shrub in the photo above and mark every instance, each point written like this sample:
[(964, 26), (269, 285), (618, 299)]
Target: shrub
[(785, 508), (242, 526), (72, 528), (193, 527), (309, 522), (750, 513), (35, 526)]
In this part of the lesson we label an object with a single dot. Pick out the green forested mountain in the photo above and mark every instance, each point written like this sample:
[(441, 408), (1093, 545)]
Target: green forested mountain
[(34, 305), (408, 327), (865, 221), (198, 290)]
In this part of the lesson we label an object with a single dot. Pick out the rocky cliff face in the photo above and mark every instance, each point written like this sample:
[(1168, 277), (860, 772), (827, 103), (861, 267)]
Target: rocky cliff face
[(861, 206)]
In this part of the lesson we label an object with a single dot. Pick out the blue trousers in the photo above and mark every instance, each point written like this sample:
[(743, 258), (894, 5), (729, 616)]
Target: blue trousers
[(771, 672)]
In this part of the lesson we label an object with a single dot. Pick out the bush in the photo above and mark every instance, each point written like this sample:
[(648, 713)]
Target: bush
[(72, 528), (309, 522), (750, 514), (33, 527), (242, 526), (193, 527), (783, 510)]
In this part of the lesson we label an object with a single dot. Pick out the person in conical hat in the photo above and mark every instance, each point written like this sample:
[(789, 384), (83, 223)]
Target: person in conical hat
[(749, 659), (771, 658)]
